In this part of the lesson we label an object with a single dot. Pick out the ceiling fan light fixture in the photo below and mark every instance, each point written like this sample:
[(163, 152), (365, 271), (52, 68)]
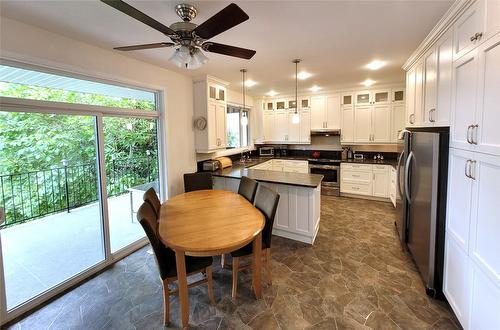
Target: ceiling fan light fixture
[(176, 59), (200, 57)]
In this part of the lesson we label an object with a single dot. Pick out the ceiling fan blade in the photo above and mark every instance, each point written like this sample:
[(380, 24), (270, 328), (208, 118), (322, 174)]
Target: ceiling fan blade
[(140, 16), (228, 50), (146, 46), (227, 18)]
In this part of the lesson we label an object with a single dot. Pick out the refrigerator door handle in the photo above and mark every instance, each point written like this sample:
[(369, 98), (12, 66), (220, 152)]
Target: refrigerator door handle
[(398, 175), (407, 176)]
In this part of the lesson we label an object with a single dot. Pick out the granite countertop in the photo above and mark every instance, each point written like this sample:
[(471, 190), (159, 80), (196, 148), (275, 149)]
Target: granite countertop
[(289, 178)]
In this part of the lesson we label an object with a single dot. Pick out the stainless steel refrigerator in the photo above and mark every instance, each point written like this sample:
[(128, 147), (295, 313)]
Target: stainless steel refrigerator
[(421, 203)]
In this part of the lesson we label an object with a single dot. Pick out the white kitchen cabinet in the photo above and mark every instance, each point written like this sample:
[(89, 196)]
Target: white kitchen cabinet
[(280, 104), (305, 125), (325, 112), (392, 185), (347, 99), (444, 51), (268, 124), (363, 124), (318, 108), (293, 134), (457, 279), (410, 97), (381, 181), (363, 98), (475, 114), (468, 29), (397, 120), (280, 129), (210, 105), (429, 88), (347, 125), (398, 95), (419, 94), (484, 304), (373, 97)]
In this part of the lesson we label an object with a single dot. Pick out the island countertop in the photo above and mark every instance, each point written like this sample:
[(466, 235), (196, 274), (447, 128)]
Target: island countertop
[(289, 178)]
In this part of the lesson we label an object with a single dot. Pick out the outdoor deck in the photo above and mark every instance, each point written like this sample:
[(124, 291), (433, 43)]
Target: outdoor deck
[(42, 253)]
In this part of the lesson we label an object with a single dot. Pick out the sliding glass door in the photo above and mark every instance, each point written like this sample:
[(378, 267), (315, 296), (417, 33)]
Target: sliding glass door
[(76, 156), (52, 228)]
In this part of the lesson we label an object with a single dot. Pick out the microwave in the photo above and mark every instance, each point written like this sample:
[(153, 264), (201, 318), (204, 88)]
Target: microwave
[(266, 151)]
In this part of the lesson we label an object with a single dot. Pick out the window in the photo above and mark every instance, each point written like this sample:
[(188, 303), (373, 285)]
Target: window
[(237, 127)]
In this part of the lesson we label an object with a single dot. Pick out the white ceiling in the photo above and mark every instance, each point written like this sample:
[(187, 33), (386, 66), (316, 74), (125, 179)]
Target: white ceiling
[(335, 39)]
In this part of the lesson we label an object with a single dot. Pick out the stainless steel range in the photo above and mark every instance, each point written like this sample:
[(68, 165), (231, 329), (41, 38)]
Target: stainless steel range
[(330, 169)]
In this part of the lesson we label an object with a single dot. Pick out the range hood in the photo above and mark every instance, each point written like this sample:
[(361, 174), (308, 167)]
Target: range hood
[(325, 132)]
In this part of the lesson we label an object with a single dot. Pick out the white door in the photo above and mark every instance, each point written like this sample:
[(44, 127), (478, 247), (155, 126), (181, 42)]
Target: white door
[(333, 112), (458, 209), (268, 123), (430, 89), (305, 126), (212, 125), (457, 279), (484, 245), (293, 134), (410, 97), (467, 27), (380, 183), (398, 121), (221, 125), (464, 93), (347, 127), (484, 302), (381, 123), (419, 93), (444, 50), (318, 106), (487, 131), (363, 124), (280, 129)]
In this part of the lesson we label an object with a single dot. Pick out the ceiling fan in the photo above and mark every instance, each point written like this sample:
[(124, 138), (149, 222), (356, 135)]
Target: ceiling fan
[(190, 38)]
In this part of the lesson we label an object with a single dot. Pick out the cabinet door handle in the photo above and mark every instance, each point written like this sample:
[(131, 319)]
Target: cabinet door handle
[(412, 118), (478, 35), (474, 37), (468, 135), (466, 169), (431, 117), (473, 136), (472, 164)]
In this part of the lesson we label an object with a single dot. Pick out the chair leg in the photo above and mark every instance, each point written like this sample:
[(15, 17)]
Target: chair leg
[(223, 261), (236, 266), (269, 267), (209, 283), (166, 303)]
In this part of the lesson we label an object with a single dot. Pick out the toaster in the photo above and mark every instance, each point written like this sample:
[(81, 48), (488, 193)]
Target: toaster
[(211, 165)]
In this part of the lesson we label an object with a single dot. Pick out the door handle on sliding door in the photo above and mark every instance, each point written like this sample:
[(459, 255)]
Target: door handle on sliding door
[(407, 176)]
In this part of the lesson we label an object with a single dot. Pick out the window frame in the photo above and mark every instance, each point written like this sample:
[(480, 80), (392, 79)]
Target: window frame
[(240, 110), (10, 104)]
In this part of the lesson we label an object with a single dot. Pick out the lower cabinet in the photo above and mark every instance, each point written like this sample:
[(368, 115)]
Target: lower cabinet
[(472, 266), (299, 208), (393, 179), (365, 179)]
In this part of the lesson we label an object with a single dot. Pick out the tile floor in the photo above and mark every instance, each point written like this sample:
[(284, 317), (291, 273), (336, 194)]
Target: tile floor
[(354, 277)]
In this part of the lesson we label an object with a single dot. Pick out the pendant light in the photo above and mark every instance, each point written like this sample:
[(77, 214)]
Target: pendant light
[(295, 116), (244, 118)]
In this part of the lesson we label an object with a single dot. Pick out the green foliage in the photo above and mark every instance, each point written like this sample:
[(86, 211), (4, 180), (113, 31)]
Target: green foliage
[(37, 143)]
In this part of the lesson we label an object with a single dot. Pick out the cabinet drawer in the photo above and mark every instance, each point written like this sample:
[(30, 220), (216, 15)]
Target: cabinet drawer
[(356, 188), (296, 163), (380, 168), (357, 167), (356, 176)]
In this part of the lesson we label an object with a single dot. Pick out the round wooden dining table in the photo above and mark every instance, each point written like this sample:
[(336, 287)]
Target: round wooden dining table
[(208, 223)]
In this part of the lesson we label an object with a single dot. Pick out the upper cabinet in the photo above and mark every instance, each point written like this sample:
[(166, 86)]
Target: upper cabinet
[(210, 115), (373, 97), (347, 99), (325, 112), (398, 95)]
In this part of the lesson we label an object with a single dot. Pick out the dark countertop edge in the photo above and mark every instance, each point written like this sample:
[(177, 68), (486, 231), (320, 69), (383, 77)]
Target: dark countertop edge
[(391, 162), (269, 181)]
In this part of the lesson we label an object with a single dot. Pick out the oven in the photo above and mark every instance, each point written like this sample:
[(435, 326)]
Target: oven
[(331, 177)]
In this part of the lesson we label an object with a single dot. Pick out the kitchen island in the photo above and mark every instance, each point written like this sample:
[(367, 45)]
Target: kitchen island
[(298, 214)]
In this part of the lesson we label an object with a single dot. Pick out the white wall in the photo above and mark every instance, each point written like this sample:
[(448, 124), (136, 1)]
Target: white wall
[(26, 43)]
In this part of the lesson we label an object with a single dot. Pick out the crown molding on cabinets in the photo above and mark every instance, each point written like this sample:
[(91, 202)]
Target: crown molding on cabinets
[(456, 9)]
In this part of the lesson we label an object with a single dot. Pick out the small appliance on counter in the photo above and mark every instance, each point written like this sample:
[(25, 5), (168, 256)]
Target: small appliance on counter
[(358, 156), (266, 151), (224, 162), (211, 165)]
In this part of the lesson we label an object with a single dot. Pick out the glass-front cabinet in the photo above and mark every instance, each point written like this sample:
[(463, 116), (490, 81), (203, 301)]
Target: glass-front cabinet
[(363, 98), (347, 99), (380, 97), (304, 102), (269, 105), (280, 105), (216, 93), (292, 104), (398, 95)]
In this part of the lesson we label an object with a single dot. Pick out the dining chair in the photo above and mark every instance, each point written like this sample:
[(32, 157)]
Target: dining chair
[(151, 197), (266, 200), (197, 181), (248, 188), (165, 260)]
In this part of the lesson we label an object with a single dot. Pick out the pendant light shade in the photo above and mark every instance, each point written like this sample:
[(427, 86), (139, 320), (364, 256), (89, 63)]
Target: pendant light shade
[(191, 59), (296, 116)]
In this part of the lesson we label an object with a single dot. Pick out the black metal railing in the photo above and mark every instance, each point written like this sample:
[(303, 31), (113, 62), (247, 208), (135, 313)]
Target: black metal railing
[(29, 195)]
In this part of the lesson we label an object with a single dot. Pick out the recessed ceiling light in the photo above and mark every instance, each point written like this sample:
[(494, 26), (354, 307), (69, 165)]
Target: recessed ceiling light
[(375, 64), (272, 93), (303, 75), (314, 88), (368, 82), (250, 83)]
